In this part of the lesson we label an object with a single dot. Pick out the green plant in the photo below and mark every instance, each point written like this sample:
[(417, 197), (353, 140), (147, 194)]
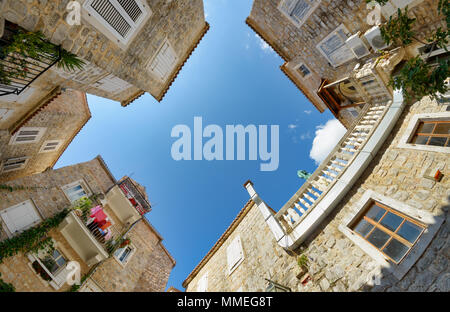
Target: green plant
[(29, 239), (27, 46), (12, 188), (6, 287), (75, 287), (418, 78), (302, 261), (398, 29)]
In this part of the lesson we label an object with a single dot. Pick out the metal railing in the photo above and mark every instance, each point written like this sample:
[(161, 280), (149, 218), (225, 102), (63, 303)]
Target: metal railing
[(30, 68), (133, 193)]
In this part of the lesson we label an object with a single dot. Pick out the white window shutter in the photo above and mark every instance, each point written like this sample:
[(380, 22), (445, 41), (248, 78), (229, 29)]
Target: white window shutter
[(234, 254), (287, 6), (203, 283), (112, 84), (164, 61), (20, 217)]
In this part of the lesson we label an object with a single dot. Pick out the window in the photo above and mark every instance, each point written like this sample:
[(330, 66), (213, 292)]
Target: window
[(436, 133), (112, 84), (20, 217), (50, 146), (76, 190), (235, 254), (5, 113), (27, 135), (298, 11), (389, 231), (303, 70), (119, 20), (203, 283), (123, 255), (164, 62), (54, 261), (13, 164), (428, 132), (334, 49)]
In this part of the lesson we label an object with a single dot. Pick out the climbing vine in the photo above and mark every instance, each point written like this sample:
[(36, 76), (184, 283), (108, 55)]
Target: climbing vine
[(6, 287)]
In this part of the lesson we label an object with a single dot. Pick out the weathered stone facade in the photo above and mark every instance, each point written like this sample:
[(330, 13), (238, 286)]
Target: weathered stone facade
[(336, 263), (148, 268), (147, 271), (62, 118), (180, 22), (297, 45)]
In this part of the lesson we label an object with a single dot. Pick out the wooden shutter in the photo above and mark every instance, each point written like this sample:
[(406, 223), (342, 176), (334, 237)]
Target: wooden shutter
[(20, 217), (287, 6), (164, 61), (203, 283), (121, 17), (112, 84), (299, 11), (234, 254), (14, 163)]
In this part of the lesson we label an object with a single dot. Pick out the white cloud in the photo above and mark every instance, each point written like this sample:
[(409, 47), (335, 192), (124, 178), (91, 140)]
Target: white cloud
[(326, 138), (305, 136), (292, 126), (308, 112), (263, 45)]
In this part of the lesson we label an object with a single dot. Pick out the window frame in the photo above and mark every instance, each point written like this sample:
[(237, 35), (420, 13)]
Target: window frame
[(25, 160), (38, 137), (232, 267), (96, 20), (314, 4), (128, 258), (345, 46), (432, 223), (410, 132), (5, 224), (392, 234), (83, 185), (297, 69), (154, 59), (45, 144)]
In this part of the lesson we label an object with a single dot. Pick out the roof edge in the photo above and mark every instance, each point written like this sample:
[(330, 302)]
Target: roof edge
[(291, 77), (219, 242), (255, 27), (180, 66)]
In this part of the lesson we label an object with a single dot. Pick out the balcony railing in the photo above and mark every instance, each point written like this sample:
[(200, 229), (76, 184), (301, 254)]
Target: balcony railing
[(331, 169), (30, 68), (136, 198)]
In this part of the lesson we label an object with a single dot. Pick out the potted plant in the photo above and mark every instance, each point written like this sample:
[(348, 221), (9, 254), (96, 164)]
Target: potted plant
[(302, 262)]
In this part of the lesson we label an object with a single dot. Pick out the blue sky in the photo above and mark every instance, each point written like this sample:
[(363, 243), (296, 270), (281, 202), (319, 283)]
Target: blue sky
[(231, 78)]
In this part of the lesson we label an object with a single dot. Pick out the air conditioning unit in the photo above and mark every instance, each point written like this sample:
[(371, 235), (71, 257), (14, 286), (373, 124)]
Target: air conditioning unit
[(373, 36), (357, 45)]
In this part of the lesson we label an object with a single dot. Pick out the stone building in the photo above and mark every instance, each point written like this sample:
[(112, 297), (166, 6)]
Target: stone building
[(321, 42), (129, 47), (34, 142), (116, 248), (373, 216)]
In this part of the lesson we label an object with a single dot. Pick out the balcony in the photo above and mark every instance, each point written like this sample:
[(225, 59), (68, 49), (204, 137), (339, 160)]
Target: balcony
[(121, 205), (87, 239), (135, 196), (323, 191), (18, 71)]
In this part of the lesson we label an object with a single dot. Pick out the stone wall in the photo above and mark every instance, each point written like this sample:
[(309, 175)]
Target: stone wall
[(180, 21), (63, 118), (147, 270), (335, 262), (49, 200)]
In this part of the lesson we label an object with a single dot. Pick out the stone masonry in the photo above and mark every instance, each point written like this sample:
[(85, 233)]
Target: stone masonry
[(335, 262), (181, 22)]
